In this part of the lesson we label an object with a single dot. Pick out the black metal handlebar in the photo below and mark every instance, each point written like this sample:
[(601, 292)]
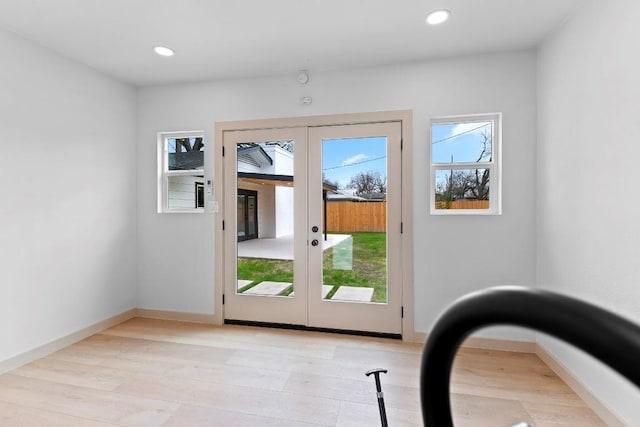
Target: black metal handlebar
[(606, 336)]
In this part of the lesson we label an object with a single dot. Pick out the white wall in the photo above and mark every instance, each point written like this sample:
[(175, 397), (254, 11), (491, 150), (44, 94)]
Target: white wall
[(453, 255), (589, 228), (67, 234)]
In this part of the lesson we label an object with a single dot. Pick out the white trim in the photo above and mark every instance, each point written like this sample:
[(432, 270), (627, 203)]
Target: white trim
[(607, 414), (486, 343), (513, 346), (65, 341), (209, 319)]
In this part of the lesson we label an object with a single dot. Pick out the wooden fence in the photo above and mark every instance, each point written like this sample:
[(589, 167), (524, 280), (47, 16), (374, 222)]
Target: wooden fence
[(464, 204), (344, 217)]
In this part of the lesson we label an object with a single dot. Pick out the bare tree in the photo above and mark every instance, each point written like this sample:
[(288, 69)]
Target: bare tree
[(465, 184), (369, 182), (480, 189), (184, 144)]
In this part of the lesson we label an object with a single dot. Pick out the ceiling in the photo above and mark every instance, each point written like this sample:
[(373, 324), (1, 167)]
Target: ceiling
[(223, 39)]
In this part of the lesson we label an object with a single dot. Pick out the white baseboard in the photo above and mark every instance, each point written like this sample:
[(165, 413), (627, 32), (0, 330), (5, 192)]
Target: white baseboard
[(500, 344), (599, 407), (483, 343), (416, 337), (210, 319), (67, 340)]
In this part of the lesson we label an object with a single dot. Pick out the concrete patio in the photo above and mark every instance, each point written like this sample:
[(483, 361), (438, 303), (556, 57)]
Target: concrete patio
[(282, 247)]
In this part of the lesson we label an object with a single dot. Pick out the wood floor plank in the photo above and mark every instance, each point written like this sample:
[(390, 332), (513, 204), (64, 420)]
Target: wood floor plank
[(361, 415), (85, 403), (271, 404), (12, 414), (222, 337), (355, 391), (148, 372), (342, 369), (553, 415), (73, 373), (480, 411), (156, 360), (198, 416)]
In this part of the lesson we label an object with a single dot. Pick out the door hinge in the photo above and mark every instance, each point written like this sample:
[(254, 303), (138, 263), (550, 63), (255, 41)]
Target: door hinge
[(223, 151), (222, 299), (401, 311), (223, 225), (401, 144), (401, 227)]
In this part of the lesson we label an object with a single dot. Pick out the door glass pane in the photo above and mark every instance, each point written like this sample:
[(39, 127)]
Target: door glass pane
[(355, 219), (264, 176)]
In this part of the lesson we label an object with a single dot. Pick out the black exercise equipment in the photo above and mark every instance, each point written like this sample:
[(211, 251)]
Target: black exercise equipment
[(608, 337)]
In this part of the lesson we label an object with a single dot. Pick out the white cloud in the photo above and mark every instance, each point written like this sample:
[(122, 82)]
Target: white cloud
[(470, 128), (354, 159)]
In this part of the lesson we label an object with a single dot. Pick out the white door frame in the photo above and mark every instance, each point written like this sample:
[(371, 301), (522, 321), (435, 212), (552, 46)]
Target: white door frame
[(405, 117)]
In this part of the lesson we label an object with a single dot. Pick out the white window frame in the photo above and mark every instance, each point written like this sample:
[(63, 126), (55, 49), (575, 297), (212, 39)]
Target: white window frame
[(494, 166), (164, 173)]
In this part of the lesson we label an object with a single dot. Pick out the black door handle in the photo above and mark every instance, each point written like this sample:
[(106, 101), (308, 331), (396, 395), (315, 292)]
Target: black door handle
[(314, 242)]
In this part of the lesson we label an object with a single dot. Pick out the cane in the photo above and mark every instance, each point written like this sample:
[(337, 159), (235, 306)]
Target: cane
[(383, 413)]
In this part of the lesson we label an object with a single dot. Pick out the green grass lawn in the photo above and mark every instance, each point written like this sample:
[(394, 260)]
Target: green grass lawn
[(368, 268)]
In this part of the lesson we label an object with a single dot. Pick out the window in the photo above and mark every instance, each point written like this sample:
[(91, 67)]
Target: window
[(199, 194), (181, 172), (465, 165)]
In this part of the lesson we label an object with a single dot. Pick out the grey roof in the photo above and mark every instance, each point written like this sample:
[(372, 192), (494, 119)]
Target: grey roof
[(189, 160), (254, 154)]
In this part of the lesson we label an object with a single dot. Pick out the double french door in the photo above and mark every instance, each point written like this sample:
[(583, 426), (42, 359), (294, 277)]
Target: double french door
[(327, 250)]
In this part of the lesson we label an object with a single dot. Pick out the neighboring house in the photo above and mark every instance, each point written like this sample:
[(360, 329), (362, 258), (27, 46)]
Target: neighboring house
[(374, 197), (352, 195), (186, 192), (265, 188), (265, 191), (344, 195)]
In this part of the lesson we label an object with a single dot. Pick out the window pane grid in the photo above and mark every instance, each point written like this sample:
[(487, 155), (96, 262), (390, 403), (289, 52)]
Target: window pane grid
[(181, 166), (465, 165)]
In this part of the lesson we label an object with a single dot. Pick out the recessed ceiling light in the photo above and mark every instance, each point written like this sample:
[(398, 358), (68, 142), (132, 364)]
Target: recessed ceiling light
[(163, 51), (438, 16)]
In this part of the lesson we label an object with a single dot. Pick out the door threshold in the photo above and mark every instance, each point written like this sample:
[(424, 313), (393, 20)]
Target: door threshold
[(313, 329)]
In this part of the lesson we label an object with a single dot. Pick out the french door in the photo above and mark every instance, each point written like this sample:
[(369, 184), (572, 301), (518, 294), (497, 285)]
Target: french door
[(328, 208)]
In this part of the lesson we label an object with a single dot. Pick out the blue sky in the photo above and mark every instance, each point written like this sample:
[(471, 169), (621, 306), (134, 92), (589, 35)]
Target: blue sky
[(344, 158), (463, 141)]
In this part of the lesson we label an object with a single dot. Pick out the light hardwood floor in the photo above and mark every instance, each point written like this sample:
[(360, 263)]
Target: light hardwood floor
[(160, 373)]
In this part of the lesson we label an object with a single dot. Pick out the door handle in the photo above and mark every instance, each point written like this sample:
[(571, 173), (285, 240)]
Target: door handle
[(314, 242), (315, 229)]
